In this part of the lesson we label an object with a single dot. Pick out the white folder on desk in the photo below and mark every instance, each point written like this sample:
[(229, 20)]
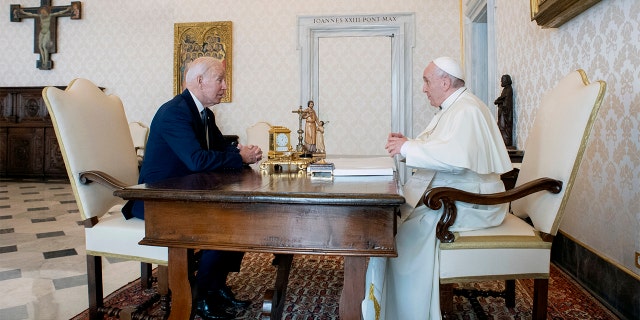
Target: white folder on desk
[(365, 166)]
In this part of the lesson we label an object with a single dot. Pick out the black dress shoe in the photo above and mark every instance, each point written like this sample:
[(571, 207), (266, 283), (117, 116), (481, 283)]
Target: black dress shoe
[(207, 311), (226, 297)]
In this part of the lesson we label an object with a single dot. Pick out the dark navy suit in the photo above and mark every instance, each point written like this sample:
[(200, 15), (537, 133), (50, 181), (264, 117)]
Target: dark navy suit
[(177, 146), (177, 143)]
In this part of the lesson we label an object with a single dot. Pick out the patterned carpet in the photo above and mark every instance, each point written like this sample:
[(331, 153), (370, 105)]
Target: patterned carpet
[(315, 283)]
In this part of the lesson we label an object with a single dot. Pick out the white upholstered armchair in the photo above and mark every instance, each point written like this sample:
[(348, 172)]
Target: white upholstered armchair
[(139, 134), (519, 248), (96, 145), (258, 134)]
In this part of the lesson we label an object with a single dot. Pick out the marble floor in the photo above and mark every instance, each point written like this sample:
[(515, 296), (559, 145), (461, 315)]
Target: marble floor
[(42, 257)]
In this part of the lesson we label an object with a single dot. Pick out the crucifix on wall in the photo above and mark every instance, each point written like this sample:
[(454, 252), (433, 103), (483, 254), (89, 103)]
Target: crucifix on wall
[(46, 24)]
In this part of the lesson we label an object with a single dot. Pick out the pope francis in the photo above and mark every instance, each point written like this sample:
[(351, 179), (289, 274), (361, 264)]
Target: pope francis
[(462, 148)]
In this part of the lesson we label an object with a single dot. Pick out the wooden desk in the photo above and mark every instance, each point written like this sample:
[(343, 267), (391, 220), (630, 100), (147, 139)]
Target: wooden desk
[(284, 214)]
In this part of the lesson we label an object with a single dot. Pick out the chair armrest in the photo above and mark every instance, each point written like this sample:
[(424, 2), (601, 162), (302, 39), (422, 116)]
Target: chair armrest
[(101, 178), (437, 197)]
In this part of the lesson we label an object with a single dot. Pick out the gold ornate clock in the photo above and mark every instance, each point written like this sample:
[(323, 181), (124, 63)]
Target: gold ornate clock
[(281, 157), (279, 141)]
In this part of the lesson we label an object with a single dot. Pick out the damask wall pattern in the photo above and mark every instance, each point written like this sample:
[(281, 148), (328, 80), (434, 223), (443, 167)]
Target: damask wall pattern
[(350, 105), (266, 54), (127, 47), (604, 209)]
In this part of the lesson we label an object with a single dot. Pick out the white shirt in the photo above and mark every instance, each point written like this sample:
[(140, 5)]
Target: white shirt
[(198, 103)]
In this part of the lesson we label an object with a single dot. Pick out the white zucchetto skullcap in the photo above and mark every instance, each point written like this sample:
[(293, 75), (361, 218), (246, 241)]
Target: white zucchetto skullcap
[(450, 66)]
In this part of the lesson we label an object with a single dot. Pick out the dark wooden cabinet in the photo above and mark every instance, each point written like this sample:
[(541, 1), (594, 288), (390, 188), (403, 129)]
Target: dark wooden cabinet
[(28, 144)]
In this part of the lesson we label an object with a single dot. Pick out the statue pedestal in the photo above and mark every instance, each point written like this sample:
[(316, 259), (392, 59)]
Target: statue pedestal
[(515, 155)]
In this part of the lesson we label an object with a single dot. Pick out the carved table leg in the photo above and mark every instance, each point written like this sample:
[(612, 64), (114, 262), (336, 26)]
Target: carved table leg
[(273, 305), (181, 301), (353, 289)]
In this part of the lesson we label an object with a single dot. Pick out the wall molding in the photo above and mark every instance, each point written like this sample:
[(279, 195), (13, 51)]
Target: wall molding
[(613, 285), (399, 26)]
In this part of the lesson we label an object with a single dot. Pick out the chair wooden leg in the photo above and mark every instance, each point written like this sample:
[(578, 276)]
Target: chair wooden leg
[(146, 277), (540, 295), (163, 287), (510, 293), (94, 281), (446, 300)]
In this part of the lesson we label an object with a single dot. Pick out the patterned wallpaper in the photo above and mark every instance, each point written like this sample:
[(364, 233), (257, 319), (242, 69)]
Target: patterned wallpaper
[(127, 47), (349, 103), (604, 209)]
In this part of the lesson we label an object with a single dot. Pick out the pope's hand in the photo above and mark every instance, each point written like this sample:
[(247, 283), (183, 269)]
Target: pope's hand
[(394, 143)]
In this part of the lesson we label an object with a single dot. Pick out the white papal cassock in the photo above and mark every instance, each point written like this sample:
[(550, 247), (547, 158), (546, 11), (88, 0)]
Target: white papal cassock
[(461, 148)]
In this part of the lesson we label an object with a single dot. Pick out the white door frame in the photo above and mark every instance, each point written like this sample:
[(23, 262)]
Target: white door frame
[(480, 50), (399, 26)]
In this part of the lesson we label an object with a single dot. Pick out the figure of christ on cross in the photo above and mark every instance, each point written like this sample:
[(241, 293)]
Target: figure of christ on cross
[(46, 23)]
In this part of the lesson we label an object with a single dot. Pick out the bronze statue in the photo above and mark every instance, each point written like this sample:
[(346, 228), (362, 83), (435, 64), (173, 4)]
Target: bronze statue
[(505, 110)]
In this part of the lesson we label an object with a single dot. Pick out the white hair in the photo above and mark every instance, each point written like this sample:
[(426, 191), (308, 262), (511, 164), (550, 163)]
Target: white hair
[(201, 67)]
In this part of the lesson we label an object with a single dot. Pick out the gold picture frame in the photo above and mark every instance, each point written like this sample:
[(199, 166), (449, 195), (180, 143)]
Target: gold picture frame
[(198, 39), (554, 13)]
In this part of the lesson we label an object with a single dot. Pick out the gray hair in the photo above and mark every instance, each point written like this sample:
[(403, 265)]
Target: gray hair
[(455, 82)]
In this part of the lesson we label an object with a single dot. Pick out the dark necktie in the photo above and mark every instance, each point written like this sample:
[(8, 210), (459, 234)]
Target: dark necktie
[(203, 114)]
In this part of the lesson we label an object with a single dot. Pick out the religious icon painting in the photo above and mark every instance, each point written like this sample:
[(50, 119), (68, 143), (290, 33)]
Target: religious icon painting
[(45, 19), (202, 39)]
